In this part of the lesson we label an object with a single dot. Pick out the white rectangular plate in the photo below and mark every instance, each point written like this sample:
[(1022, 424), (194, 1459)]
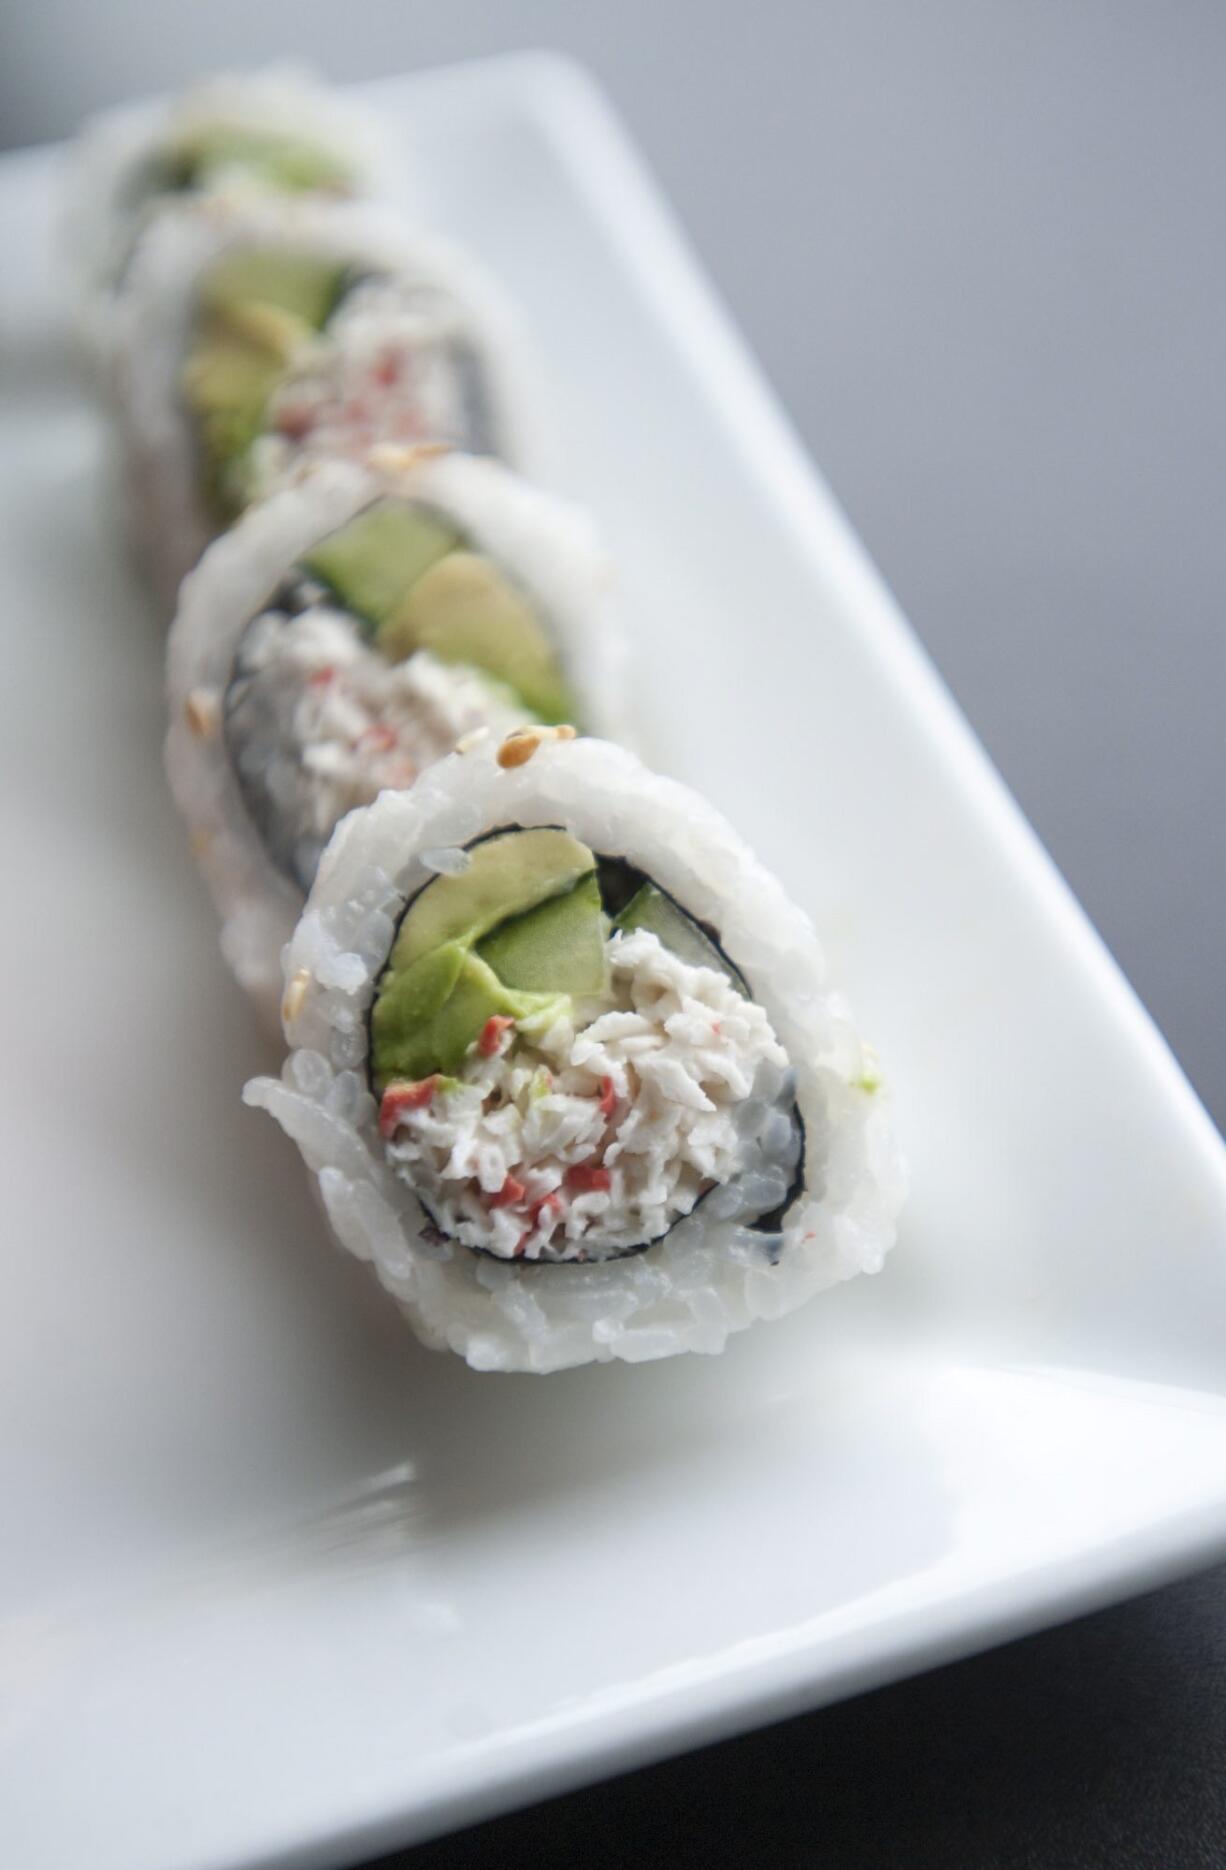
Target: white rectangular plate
[(277, 1585)]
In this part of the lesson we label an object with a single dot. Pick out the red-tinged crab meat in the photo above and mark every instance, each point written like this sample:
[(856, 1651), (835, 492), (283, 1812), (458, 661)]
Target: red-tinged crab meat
[(552, 1207), (404, 1095), (378, 739), (547, 1205), (294, 422), (608, 1097), (491, 1034), (321, 678), (588, 1178), (509, 1195), (387, 370)]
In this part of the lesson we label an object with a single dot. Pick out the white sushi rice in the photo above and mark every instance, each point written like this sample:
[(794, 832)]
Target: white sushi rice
[(106, 212), (548, 547), (711, 1275), (595, 1134), (168, 521)]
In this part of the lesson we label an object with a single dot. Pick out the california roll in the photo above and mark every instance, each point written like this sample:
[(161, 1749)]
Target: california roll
[(565, 1065)]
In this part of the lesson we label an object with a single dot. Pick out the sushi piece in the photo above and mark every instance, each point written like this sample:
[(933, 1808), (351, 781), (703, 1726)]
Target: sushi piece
[(277, 132), (347, 633), (565, 1066), (252, 338)]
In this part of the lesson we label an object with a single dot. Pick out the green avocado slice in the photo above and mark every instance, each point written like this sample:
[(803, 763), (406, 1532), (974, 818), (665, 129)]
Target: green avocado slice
[(464, 610), (257, 306), (649, 908), (506, 875), (414, 1034), (289, 163), (557, 947), (408, 1001), (301, 283), (226, 378), (372, 562), (226, 384), (531, 898)]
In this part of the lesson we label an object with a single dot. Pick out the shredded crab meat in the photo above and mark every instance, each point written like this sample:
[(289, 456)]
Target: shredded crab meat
[(327, 723), (594, 1135), (389, 369)]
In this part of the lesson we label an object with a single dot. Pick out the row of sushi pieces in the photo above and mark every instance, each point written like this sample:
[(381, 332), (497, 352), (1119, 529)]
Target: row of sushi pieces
[(561, 1054)]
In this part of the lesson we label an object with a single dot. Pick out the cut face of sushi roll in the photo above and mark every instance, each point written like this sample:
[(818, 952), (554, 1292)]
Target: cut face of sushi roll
[(345, 636), (398, 367), (297, 357), (565, 1065), (273, 133), (254, 340), (385, 643)]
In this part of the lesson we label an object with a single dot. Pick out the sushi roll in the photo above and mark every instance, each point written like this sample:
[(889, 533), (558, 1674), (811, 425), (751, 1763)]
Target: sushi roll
[(348, 632), (254, 337), (273, 133), (564, 1064)]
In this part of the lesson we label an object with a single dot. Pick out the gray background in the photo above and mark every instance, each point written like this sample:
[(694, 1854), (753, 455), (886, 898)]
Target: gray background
[(979, 250)]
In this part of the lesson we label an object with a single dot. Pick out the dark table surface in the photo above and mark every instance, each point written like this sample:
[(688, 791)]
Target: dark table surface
[(978, 248)]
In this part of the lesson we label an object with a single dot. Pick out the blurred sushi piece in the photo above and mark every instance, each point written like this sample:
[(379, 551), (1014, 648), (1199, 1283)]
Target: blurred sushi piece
[(255, 337), (346, 634), (274, 133)]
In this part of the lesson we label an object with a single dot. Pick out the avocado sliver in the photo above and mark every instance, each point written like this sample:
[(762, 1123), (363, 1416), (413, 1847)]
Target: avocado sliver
[(290, 163), (439, 988), (230, 373), (372, 562), (464, 610), (269, 331), (557, 947), (506, 875), (226, 385), (651, 909), (408, 1000), (302, 283), (412, 1037), (225, 375), (257, 307)]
